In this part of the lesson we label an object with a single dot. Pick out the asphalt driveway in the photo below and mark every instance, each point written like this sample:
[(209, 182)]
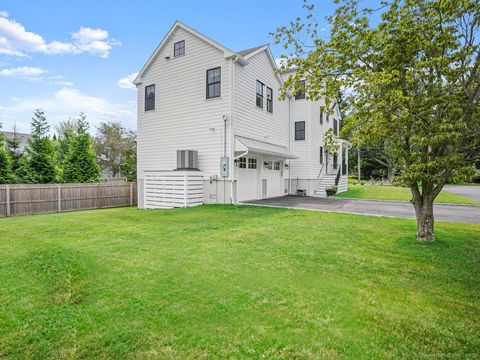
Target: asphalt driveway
[(443, 212)]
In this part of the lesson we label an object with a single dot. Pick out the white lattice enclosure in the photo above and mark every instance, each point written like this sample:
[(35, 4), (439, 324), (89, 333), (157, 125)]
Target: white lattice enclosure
[(171, 189)]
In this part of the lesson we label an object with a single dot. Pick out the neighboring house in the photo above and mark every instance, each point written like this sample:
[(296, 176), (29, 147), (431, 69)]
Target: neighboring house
[(195, 94), (22, 137)]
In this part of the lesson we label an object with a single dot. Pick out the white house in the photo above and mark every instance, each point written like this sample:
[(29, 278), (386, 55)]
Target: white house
[(243, 142)]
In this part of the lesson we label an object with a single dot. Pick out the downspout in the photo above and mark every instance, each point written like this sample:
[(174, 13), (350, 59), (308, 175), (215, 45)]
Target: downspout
[(290, 147), (232, 132)]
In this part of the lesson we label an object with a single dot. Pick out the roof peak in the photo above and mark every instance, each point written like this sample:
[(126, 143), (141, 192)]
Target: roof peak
[(245, 52)]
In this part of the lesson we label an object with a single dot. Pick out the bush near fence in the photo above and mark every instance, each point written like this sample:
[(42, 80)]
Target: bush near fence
[(26, 199)]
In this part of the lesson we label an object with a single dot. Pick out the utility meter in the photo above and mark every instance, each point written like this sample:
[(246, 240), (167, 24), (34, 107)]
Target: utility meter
[(224, 160)]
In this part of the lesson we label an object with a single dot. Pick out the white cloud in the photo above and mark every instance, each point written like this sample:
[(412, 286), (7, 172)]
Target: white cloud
[(15, 40), (64, 83), (23, 71), (127, 81), (68, 102)]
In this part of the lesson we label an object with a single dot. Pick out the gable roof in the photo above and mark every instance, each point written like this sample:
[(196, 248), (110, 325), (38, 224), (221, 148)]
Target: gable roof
[(250, 50), (254, 51), (242, 56), (227, 52)]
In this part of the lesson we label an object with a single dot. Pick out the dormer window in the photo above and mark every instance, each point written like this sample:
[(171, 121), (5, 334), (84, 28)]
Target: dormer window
[(301, 92), (179, 48)]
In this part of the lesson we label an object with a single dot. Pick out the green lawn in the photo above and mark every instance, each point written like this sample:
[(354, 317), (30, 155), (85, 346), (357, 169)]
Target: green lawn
[(379, 192), (236, 282)]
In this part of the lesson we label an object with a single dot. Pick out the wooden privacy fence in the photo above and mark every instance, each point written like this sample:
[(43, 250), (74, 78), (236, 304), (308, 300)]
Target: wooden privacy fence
[(25, 199)]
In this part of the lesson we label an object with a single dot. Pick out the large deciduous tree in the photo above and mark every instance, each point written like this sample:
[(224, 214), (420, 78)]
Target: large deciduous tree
[(410, 74), (112, 143)]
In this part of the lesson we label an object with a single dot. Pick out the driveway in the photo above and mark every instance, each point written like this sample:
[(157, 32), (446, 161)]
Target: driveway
[(471, 192), (443, 212)]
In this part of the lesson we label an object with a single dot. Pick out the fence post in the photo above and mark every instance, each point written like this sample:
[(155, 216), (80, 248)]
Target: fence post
[(99, 204), (7, 198), (131, 194), (59, 198)]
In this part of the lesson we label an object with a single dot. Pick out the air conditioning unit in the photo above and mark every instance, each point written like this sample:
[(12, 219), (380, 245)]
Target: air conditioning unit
[(187, 160)]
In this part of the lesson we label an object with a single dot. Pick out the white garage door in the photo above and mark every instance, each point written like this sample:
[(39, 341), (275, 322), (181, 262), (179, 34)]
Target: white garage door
[(247, 183), (274, 176)]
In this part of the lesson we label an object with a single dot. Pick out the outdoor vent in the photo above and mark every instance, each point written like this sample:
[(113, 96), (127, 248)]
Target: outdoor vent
[(187, 160)]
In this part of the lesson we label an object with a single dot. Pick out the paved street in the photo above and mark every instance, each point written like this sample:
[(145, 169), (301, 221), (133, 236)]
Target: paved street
[(471, 192)]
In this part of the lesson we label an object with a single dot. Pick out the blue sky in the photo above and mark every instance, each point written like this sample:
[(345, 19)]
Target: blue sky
[(69, 56)]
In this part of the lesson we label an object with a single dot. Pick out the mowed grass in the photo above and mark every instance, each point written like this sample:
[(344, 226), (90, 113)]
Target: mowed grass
[(381, 192), (235, 282)]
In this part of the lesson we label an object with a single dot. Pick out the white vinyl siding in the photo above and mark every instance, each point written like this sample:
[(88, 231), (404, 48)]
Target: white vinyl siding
[(183, 117), (250, 120)]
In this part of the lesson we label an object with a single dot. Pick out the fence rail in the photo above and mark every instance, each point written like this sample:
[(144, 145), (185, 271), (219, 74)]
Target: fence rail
[(26, 199)]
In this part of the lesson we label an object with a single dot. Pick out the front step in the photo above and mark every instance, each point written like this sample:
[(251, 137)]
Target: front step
[(326, 182)]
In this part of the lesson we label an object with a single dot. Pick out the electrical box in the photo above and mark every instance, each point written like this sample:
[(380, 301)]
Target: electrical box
[(224, 161)]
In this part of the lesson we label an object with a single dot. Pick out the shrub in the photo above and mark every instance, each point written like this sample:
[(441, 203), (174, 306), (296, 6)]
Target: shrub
[(331, 191)]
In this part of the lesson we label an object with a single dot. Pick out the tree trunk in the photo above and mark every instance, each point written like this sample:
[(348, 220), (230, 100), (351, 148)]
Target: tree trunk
[(390, 174), (423, 204), (359, 165), (425, 222)]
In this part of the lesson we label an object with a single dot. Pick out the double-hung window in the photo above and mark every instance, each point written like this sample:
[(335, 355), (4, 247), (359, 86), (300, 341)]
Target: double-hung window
[(252, 163), (149, 97), (179, 48), (301, 92), (214, 83), (269, 100), (276, 165), (335, 127), (300, 130), (259, 97), (321, 117)]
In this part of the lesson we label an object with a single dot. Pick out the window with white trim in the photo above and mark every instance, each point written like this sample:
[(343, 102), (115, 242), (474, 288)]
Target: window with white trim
[(300, 130), (276, 165), (179, 48), (301, 91), (149, 97), (242, 163), (269, 100), (259, 95), (252, 163), (214, 83)]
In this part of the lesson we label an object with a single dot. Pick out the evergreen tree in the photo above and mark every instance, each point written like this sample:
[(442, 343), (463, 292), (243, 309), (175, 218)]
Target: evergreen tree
[(6, 174), (129, 168), (65, 133), (80, 163), (40, 164), (13, 147)]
